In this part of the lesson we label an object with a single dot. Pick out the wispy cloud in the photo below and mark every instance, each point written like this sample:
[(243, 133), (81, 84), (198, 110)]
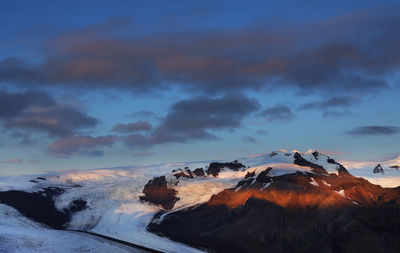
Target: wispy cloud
[(374, 130), (13, 161), (132, 127), (249, 139), (277, 113), (80, 145)]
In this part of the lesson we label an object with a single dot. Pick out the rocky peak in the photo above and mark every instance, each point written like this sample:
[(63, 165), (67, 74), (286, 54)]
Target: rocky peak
[(156, 191), (215, 167), (378, 169)]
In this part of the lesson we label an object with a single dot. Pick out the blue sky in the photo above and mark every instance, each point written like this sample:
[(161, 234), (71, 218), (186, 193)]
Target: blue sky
[(87, 84)]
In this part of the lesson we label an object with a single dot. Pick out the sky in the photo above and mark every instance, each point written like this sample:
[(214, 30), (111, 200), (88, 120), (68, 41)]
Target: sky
[(93, 84)]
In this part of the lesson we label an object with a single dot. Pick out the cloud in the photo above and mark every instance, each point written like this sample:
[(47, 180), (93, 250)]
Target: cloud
[(249, 139), (13, 161), (142, 154), (80, 145), (374, 130), (356, 55), (262, 132), (13, 104), (332, 107), (132, 127), (333, 102), (277, 113), (144, 114), (195, 118), (138, 140), (331, 113), (60, 120), (25, 138), (38, 111)]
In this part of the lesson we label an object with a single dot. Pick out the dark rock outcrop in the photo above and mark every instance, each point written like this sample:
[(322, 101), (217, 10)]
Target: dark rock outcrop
[(38, 206), (76, 206), (315, 154), (250, 174), (272, 154), (186, 173), (378, 169), (395, 167), (340, 168), (156, 191), (199, 172), (263, 176), (215, 167), (299, 160)]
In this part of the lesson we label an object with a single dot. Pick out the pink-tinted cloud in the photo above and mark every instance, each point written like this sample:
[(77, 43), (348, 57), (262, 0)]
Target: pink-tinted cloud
[(252, 57), (13, 161), (80, 145)]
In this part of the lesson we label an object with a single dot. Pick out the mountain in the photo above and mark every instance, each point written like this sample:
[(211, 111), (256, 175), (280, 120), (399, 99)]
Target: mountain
[(275, 202)]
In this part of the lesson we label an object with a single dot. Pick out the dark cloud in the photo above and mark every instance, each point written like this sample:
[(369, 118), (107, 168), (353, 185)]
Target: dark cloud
[(333, 102), (249, 139), (277, 113), (38, 111), (374, 130), (353, 53), (56, 121), (80, 145), (195, 118), (13, 104), (132, 127)]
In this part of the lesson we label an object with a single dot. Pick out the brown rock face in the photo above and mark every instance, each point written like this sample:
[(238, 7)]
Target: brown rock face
[(157, 192), (301, 212)]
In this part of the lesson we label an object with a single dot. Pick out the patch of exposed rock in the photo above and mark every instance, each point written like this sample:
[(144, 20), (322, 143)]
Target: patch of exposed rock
[(378, 169), (199, 172), (39, 206), (215, 167), (340, 168), (156, 191)]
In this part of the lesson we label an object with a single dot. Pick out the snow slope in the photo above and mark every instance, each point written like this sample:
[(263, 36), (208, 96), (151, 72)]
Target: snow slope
[(18, 234)]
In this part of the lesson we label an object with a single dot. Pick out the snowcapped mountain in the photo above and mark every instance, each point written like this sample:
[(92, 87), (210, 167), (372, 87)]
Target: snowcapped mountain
[(221, 201)]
